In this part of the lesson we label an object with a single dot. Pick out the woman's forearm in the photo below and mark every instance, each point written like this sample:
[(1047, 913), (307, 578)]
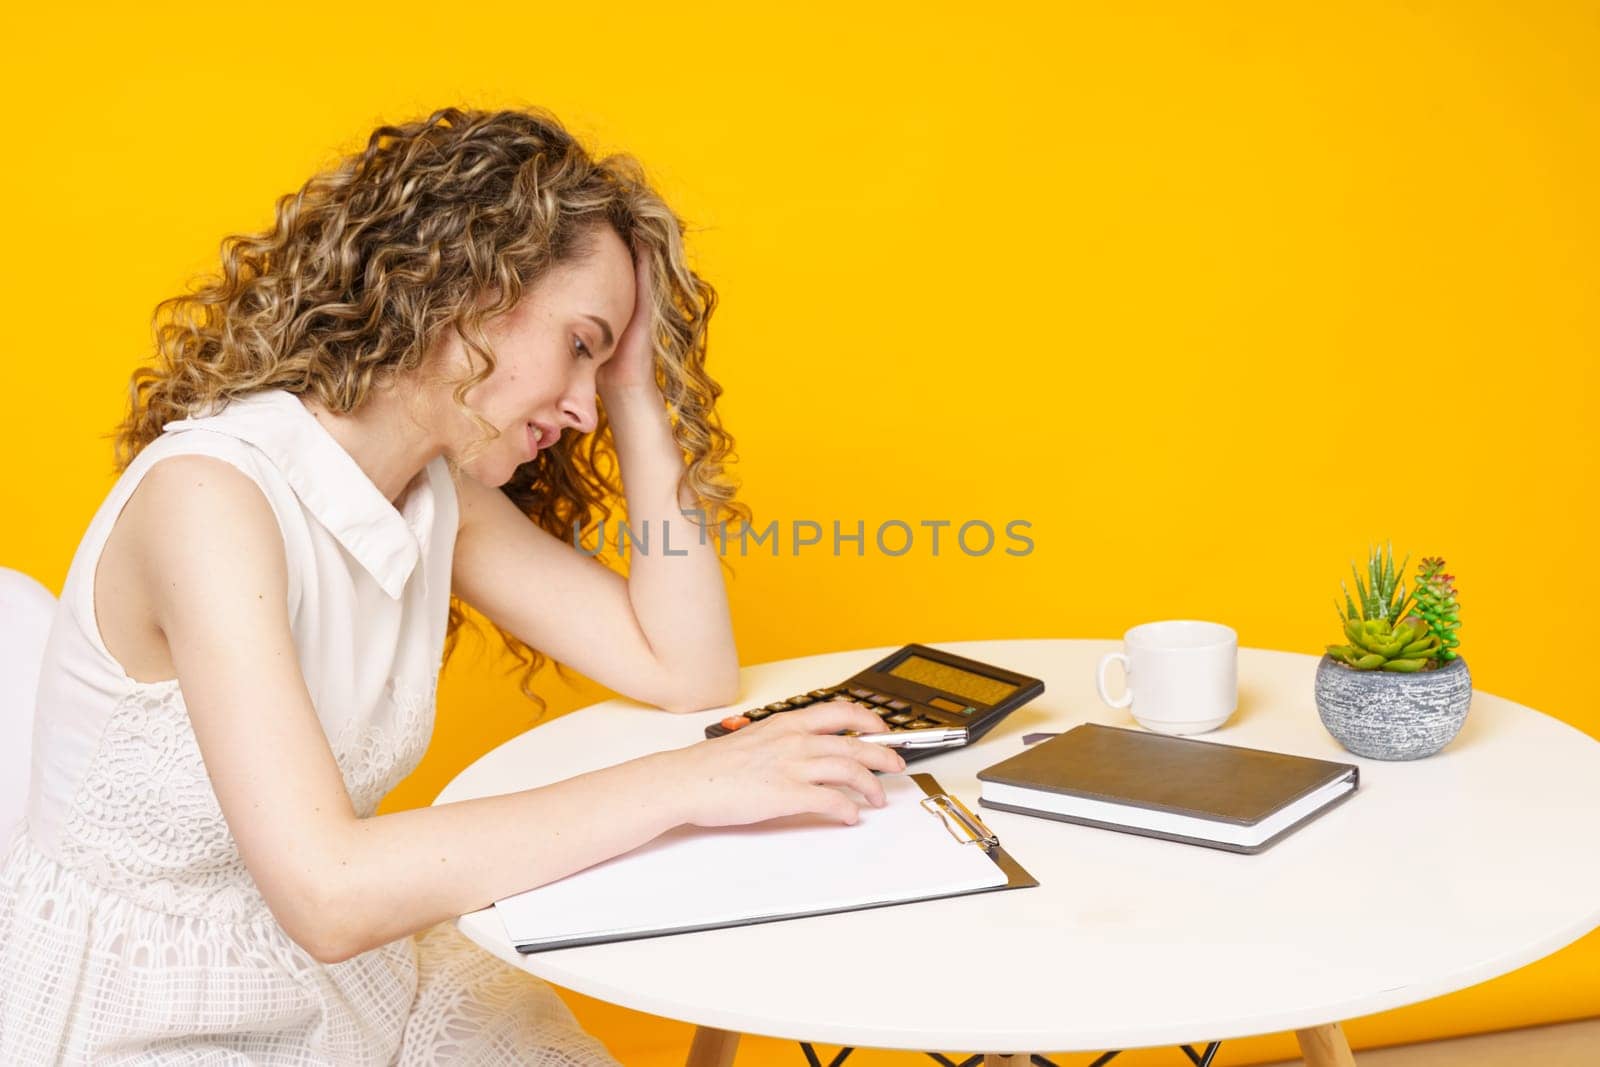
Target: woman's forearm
[(395, 874), (390, 876), (679, 598)]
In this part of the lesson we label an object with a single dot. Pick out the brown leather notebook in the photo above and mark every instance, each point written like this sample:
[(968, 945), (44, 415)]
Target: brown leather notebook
[(1169, 787)]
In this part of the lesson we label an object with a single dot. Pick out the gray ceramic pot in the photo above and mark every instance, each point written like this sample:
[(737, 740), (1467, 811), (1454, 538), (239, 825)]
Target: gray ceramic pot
[(1390, 715)]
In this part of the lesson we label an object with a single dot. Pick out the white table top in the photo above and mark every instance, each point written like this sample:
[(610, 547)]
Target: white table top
[(1438, 874)]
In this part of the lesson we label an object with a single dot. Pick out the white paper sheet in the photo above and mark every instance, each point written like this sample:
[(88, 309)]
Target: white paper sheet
[(698, 876)]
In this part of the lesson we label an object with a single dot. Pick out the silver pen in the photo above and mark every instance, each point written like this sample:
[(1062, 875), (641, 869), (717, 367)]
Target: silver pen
[(937, 737)]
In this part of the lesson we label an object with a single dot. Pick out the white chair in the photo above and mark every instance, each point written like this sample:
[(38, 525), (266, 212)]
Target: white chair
[(26, 611)]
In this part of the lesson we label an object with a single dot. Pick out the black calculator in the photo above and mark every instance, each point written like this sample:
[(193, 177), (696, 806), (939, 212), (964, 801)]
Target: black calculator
[(916, 688)]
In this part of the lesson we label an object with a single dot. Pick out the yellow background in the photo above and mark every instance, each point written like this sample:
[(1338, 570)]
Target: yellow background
[(1213, 295)]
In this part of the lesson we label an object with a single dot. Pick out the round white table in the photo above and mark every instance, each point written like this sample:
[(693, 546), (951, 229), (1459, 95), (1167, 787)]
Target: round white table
[(1437, 875)]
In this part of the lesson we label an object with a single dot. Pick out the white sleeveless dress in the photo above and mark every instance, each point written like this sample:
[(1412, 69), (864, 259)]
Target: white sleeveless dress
[(130, 929)]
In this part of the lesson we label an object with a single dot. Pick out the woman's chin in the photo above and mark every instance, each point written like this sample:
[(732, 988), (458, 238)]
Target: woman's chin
[(512, 473), (490, 477)]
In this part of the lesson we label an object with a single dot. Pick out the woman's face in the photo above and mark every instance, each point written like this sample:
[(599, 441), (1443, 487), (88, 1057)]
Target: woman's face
[(548, 349)]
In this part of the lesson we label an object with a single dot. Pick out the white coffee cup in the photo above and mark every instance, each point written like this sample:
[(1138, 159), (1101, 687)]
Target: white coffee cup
[(1182, 675)]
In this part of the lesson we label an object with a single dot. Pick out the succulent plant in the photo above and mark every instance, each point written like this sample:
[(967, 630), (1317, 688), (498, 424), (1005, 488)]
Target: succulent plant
[(1384, 598), (1375, 645), (1436, 603), (1383, 633)]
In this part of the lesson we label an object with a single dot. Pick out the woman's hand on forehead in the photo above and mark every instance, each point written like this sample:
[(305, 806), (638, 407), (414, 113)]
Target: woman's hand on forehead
[(633, 363)]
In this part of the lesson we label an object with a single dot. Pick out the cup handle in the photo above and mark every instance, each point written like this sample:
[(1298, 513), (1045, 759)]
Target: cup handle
[(1100, 680)]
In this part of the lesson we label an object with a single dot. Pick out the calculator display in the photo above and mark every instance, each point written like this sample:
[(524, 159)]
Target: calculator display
[(975, 687)]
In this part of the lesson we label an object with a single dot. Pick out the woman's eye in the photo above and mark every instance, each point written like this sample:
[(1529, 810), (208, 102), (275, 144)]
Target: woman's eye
[(583, 348)]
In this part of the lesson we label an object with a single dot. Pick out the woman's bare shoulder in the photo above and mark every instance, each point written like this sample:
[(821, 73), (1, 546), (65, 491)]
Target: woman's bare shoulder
[(194, 514), (194, 533), (201, 493)]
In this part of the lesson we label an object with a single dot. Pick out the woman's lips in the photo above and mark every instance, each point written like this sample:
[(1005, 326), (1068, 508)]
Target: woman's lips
[(541, 438)]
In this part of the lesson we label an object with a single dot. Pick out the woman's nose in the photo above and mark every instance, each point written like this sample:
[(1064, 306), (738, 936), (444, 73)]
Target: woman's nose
[(581, 413)]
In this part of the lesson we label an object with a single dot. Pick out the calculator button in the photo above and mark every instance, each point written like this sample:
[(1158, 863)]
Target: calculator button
[(778, 705), (900, 717), (879, 698), (883, 712), (734, 722), (821, 694), (926, 724), (861, 692), (800, 702), (899, 705), (757, 714)]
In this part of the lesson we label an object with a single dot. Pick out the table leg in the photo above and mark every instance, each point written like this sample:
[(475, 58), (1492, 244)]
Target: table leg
[(712, 1048), (1325, 1046)]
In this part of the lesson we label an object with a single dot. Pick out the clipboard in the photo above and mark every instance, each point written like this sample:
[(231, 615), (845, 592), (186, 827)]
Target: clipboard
[(541, 919)]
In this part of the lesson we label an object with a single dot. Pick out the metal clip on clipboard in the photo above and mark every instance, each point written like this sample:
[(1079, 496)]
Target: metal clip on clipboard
[(955, 814)]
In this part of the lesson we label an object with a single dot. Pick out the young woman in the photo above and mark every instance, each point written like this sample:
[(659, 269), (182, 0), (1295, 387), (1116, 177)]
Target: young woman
[(387, 399)]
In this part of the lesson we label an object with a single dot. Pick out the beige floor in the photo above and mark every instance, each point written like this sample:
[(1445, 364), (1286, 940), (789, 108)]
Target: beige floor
[(1574, 1044)]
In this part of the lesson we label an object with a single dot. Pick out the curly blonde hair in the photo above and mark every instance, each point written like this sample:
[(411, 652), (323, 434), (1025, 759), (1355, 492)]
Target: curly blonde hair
[(439, 224)]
